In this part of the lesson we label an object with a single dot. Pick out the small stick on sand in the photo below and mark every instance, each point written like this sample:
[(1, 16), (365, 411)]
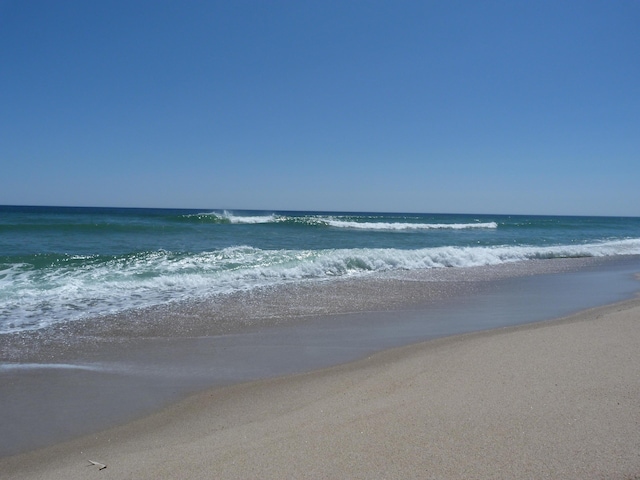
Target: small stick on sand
[(101, 466)]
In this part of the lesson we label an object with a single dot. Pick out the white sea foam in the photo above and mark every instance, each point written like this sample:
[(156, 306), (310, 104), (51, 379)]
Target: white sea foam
[(48, 366), (36, 298), (339, 222), (230, 217), (406, 225), (250, 219)]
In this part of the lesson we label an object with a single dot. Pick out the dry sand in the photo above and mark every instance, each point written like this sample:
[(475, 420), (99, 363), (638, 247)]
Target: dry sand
[(558, 399)]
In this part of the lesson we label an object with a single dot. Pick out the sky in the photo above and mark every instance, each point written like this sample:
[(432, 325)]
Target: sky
[(528, 107)]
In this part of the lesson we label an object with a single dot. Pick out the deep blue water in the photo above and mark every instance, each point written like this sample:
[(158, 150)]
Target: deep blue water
[(61, 264)]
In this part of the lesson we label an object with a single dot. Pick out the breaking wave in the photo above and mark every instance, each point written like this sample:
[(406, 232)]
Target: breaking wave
[(35, 293), (349, 222)]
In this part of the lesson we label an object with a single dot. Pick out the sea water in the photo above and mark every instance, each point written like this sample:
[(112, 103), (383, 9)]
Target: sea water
[(61, 264), (108, 314)]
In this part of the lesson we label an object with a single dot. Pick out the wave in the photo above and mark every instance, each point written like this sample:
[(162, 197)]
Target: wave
[(226, 217), (73, 287), (357, 222), (406, 226)]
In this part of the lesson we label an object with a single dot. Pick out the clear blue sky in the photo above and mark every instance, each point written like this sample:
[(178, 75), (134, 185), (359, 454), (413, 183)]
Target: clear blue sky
[(419, 106)]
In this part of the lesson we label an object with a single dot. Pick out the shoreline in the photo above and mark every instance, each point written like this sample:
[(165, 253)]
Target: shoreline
[(558, 398), (87, 378)]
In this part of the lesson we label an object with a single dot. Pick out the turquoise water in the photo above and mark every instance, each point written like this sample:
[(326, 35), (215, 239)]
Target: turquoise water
[(63, 264)]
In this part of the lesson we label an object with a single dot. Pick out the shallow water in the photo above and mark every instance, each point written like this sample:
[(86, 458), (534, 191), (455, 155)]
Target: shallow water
[(72, 382)]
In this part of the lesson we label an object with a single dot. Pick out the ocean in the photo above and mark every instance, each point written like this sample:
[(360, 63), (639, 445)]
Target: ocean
[(63, 264), (109, 314)]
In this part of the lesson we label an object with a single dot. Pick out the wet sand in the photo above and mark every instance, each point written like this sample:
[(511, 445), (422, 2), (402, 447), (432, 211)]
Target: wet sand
[(554, 399), (431, 410), (84, 377)]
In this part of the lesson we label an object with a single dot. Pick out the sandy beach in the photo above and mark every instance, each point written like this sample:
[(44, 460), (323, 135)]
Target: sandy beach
[(319, 240), (555, 399)]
